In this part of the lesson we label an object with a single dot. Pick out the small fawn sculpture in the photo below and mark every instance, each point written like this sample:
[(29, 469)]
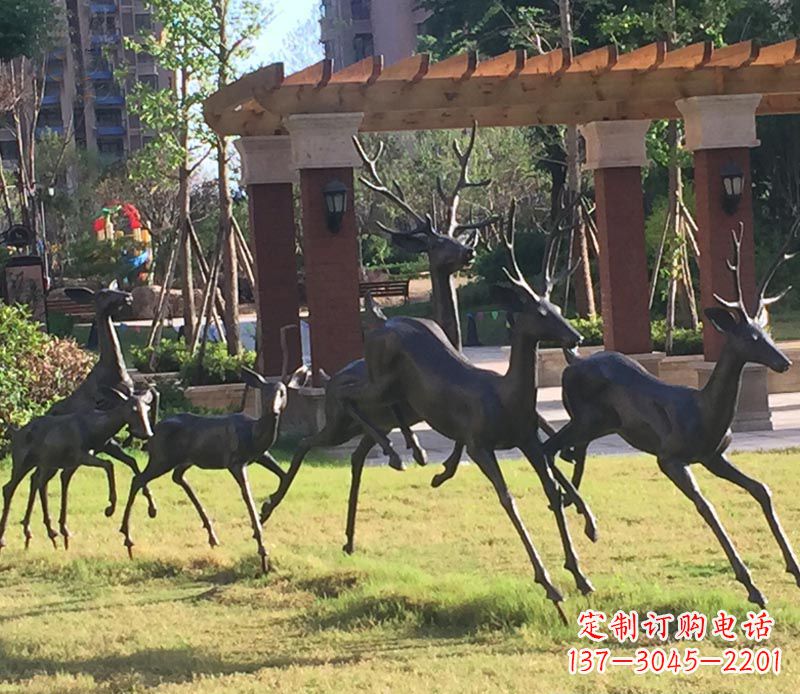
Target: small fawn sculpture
[(448, 252), (225, 442), (109, 372), (411, 363), (65, 442), (609, 393)]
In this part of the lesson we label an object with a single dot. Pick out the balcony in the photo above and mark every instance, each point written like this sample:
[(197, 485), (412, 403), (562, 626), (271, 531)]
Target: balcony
[(96, 75), (51, 100), (110, 130), (109, 100), (103, 7), (43, 129), (105, 39)]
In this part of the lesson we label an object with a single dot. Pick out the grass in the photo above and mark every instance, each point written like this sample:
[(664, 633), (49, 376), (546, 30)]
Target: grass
[(438, 597)]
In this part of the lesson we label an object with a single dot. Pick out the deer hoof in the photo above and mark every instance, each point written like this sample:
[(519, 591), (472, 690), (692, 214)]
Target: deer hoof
[(266, 511), (420, 456), (348, 548), (755, 596), (28, 538), (152, 512), (590, 530), (109, 510), (561, 613), (395, 462)]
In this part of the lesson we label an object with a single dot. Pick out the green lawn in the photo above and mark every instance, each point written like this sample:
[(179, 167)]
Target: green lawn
[(438, 597)]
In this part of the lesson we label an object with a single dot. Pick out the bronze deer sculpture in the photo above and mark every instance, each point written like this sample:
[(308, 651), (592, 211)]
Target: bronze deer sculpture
[(65, 442), (448, 252), (411, 362), (224, 442), (109, 372), (608, 392)]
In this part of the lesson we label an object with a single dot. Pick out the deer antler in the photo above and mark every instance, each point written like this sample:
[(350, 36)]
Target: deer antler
[(374, 182), (552, 245), (452, 200), (514, 274), (735, 266), (783, 256)]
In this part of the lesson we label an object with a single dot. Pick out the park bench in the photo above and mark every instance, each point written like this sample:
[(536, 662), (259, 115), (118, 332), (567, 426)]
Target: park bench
[(60, 303), (384, 288)]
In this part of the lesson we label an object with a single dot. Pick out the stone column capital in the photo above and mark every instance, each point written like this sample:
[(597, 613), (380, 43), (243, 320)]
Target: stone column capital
[(615, 143), (720, 122), (266, 159), (324, 140)]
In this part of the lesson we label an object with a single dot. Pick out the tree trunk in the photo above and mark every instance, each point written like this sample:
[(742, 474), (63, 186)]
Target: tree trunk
[(230, 264), (187, 278), (584, 292)]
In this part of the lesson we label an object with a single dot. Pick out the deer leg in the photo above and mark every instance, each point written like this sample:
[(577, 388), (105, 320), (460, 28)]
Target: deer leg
[(239, 473), (412, 442), (356, 468), (450, 466), (682, 477), (26, 519), (487, 462), (177, 478), (113, 449), (44, 478), (66, 477), (17, 475), (725, 469), (275, 499), (548, 430), (571, 496), (267, 461), (94, 461), (380, 438), (533, 452)]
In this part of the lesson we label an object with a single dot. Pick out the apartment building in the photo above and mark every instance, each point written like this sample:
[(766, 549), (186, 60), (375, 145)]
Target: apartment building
[(354, 29), (81, 93)]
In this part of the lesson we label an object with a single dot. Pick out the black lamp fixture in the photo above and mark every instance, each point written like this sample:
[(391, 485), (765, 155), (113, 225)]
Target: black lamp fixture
[(335, 204), (732, 185)]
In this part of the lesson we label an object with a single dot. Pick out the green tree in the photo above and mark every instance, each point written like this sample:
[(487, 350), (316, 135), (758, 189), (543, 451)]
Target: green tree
[(25, 27)]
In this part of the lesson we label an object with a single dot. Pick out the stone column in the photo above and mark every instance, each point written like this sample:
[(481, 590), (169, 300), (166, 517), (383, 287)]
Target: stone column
[(323, 152), (720, 130), (615, 151), (268, 173)]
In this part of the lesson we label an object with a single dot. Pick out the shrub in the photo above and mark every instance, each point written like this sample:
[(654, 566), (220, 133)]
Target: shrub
[(684, 340), (35, 369), (529, 249), (171, 355)]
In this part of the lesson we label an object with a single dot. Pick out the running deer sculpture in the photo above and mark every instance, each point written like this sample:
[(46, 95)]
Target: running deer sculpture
[(65, 442), (109, 372), (411, 363), (448, 252), (609, 393), (224, 442)]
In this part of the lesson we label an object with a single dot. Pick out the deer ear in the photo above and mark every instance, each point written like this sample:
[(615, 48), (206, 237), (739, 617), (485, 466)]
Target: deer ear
[(508, 297), (410, 243), (81, 295), (146, 396), (279, 398), (108, 398), (299, 378), (721, 319)]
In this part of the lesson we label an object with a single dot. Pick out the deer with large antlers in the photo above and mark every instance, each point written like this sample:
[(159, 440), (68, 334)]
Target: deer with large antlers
[(448, 252), (412, 364), (609, 393)]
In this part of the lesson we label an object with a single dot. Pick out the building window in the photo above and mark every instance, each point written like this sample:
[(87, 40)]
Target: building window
[(112, 148), (108, 117), (359, 9), (144, 59), (362, 46), (150, 80), (104, 24), (144, 22), (8, 150), (106, 88), (52, 88), (49, 118)]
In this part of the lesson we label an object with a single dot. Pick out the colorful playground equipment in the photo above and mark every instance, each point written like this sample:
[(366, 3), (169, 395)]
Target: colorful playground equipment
[(122, 220)]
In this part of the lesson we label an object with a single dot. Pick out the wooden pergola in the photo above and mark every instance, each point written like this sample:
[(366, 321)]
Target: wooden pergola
[(512, 89), (304, 123)]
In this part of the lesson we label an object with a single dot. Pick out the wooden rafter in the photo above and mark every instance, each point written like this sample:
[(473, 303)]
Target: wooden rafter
[(511, 89)]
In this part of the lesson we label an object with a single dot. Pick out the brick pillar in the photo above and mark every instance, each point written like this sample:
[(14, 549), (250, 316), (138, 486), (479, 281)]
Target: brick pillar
[(268, 175), (720, 130), (615, 151), (323, 152)]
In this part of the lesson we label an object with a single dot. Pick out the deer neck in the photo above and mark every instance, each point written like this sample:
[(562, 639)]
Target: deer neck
[(520, 378), (108, 343), (720, 395), (445, 305), (265, 428)]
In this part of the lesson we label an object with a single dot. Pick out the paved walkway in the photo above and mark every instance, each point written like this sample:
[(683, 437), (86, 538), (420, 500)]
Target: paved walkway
[(785, 419)]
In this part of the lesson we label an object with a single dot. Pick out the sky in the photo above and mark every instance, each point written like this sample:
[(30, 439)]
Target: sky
[(291, 37)]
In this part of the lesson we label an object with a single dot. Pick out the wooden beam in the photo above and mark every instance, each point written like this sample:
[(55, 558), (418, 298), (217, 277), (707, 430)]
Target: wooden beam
[(236, 93), (506, 65), (735, 55), (550, 63), (598, 60), (779, 54), (363, 72), (315, 74), (412, 69), (644, 58), (688, 57), (457, 67)]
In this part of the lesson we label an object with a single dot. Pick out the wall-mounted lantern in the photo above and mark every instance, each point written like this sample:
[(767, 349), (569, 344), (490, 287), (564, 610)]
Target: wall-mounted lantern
[(335, 204), (732, 185)]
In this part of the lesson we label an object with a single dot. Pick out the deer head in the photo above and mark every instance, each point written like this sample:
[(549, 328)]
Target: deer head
[(106, 302), (448, 251), (746, 334), (135, 408), (273, 393), (534, 315)]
